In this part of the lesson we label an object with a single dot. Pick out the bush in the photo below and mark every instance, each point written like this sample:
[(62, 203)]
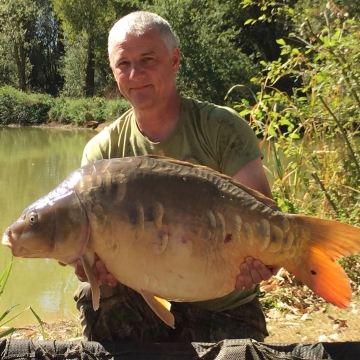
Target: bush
[(81, 111), (114, 108), (17, 107)]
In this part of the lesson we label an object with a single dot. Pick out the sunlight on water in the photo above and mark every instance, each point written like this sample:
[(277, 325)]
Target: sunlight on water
[(34, 161)]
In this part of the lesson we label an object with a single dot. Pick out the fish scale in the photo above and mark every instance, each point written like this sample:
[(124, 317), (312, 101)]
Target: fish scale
[(177, 231)]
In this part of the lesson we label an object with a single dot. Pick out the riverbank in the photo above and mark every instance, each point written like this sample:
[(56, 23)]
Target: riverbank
[(56, 125)]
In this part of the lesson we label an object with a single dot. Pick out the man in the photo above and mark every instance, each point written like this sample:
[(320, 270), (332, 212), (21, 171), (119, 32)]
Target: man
[(144, 57)]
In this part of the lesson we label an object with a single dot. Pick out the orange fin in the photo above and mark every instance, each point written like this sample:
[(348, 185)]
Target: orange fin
[(325, 277), (328, 240)]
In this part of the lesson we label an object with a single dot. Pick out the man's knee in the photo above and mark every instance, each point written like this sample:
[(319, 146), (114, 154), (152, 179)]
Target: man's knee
[(83, 294)]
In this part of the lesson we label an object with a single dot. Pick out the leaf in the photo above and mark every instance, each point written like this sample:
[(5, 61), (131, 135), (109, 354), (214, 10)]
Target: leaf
[(249, 21), (6, 313), (7, 332), (40, 323), (5, 276)]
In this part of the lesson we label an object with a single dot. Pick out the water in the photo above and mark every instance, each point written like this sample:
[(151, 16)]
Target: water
[(33, 161)]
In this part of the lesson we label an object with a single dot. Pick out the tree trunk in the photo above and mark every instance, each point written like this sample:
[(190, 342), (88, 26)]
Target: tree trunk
[(90, 71), (19, 54)]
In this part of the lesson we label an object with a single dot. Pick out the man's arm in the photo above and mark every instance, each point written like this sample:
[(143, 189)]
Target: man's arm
[(253, 271), (253, 175)]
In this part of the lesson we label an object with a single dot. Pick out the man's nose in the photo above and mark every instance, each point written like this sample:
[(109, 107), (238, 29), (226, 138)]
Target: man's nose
[(136, 71)]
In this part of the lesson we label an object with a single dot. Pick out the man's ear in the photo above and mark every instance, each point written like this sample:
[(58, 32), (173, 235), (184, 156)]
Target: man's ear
[(175, 57), (112, 70)]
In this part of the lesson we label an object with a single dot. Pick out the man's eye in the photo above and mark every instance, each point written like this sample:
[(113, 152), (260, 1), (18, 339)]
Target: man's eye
[(123, 63), (147, 59)]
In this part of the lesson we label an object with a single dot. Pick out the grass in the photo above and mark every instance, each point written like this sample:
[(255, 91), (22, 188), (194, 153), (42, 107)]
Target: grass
[(4, 317)]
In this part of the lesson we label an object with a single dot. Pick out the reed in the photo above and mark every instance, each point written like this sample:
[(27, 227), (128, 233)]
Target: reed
[(4, 317)]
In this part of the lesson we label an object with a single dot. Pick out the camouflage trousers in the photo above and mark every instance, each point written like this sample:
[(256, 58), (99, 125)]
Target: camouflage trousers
[(125, 316)]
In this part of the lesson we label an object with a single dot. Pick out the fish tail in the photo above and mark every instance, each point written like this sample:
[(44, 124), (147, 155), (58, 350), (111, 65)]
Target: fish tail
[(328, 240)]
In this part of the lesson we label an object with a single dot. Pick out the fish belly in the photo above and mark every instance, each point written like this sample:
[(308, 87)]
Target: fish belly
[(170, 262)]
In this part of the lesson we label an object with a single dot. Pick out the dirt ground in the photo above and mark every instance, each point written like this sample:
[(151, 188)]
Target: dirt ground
[(295, 314), (323, 324)]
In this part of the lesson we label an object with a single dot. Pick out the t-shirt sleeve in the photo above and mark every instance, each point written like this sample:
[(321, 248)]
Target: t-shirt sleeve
[(96, 148), (236, 142)]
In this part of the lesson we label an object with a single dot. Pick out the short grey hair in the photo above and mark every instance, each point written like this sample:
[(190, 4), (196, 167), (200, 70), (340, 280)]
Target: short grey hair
[(138, 23)]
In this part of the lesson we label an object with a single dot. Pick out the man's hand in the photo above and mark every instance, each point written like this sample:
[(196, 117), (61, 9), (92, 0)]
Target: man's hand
[(252, 272), (101, 274)]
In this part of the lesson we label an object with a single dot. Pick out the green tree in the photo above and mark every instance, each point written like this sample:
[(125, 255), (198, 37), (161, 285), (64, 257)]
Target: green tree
[(72, 66), (211, 62), (85, 25), (17, 17), (46, 51)]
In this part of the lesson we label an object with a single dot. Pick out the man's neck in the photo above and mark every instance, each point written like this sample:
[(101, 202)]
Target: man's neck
[(158, 124)]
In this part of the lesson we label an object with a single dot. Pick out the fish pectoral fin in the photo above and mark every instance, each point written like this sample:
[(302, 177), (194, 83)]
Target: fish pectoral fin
[(161, 308), (88, 261)]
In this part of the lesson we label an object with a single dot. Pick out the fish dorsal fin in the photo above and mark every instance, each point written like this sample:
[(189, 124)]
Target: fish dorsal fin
[(161, 307), (256, 194), (88, 261)]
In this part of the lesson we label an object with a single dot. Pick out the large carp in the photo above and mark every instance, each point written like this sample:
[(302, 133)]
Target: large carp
[(176, 231)]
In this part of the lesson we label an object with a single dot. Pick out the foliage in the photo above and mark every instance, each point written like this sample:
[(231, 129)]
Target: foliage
[(17, 107), (46, 50), (210, 63), (81, 111), (73, 67), (15, 19), (30, 45), (85, 25), (310, 133), (4, 276), (115, 108)]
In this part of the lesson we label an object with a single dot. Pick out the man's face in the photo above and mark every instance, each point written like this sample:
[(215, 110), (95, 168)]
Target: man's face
[(144, 69)]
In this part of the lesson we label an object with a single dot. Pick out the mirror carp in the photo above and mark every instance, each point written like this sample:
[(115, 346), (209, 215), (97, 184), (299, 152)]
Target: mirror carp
[(174, 231)]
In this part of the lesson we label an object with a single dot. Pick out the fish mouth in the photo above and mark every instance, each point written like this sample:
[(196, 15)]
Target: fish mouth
[(17, 250), (9, 242), (6, 241)]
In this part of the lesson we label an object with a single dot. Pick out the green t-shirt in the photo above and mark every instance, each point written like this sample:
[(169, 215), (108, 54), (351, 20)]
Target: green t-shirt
[(206, 134)]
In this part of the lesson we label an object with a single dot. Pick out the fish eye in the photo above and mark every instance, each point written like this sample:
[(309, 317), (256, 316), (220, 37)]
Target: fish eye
[(33, 218)]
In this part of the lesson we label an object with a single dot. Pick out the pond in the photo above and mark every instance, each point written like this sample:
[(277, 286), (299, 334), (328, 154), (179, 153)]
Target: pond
[(33, 161)]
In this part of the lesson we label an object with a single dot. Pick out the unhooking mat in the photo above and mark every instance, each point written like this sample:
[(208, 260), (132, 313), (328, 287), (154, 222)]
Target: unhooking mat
[(228, 349)]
